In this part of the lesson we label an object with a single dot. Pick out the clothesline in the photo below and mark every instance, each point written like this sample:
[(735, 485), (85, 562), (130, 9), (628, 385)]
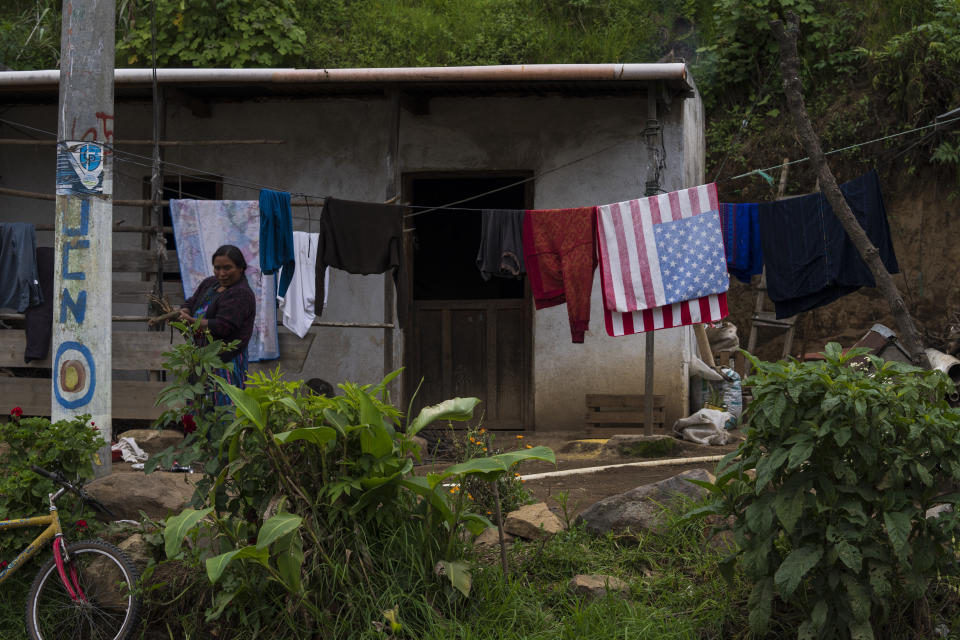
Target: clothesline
[(239, 182)]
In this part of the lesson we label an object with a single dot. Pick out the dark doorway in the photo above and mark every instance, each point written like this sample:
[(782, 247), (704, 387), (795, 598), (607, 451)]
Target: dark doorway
[(466, 336)]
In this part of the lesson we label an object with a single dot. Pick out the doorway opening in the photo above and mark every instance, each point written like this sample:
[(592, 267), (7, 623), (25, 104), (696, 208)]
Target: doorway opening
[(466, 336)]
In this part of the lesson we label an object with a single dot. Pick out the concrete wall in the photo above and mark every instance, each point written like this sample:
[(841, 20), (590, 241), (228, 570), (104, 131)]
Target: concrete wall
[(339, 147)]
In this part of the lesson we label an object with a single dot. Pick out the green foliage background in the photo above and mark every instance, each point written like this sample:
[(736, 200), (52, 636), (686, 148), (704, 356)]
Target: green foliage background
[(871, 67)]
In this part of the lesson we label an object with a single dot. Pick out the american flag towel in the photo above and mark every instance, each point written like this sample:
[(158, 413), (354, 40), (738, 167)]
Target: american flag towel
[(662, 262)]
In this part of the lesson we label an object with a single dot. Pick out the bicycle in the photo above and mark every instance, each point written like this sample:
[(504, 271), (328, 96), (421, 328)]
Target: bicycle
[(84, 591)]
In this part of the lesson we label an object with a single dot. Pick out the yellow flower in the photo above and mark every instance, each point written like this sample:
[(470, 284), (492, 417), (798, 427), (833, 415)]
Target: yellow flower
[(529, 446), (484, 448), (489, 513), (454, 489), (519, 437), (469, 496), (516, 475), (483, 430)]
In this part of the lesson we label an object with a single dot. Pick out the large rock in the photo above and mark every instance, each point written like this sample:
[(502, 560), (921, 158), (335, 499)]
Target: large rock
[(597, 586), (532, 522), (158, 494), (641, 509), (154, 440)]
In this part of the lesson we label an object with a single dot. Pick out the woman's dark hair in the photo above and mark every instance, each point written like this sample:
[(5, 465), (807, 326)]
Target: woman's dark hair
[(235, 255)]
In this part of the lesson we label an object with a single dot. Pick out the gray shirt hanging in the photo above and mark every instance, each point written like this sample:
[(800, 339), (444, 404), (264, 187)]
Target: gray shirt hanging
[(501, 244)]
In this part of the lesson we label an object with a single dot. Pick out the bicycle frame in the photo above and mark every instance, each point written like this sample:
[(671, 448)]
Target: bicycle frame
[(52, 531)]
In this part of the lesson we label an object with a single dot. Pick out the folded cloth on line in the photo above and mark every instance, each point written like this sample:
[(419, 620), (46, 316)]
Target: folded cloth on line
[(276, 237), (660, 250), (740, 224), (200, 227), (501, 244), (19, 282), (810, 260), (361, 238), (298, 306), (708, 308), (559, 251)]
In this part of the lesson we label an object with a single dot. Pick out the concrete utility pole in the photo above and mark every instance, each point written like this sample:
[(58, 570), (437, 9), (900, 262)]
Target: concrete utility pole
[(83, 289)]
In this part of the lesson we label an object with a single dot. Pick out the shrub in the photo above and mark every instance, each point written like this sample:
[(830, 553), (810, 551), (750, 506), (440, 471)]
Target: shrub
[(66, 445), (847, 455)]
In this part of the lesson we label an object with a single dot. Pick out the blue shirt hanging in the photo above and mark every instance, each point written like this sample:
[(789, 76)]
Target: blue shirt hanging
[(276, 237)]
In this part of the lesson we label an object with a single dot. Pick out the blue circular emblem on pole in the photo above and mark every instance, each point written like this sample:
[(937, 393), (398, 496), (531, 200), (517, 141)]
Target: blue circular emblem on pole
[(91, 370), (90, 157)]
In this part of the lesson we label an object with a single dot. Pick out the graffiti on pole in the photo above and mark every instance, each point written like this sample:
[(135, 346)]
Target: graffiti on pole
[(74, 369)]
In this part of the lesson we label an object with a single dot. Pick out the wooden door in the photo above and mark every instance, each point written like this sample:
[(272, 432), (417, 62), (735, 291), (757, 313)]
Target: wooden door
[(465, 337)]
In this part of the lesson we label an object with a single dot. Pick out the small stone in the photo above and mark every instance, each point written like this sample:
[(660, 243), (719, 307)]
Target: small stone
[(137, 549), (597, 586), (532, 522), (491, 538)]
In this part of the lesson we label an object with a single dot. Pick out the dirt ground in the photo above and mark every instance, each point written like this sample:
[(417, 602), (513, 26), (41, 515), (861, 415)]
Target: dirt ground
[(584, 489)]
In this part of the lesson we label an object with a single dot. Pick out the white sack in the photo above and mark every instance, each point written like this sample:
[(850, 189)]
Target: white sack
[(704, 427)]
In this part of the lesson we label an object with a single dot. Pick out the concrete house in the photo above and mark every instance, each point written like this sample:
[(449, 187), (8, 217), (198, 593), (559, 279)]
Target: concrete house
[(513, 137)]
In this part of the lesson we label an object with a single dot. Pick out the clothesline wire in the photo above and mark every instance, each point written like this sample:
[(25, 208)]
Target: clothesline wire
[(935, 123), (242, 183), (216, 177)]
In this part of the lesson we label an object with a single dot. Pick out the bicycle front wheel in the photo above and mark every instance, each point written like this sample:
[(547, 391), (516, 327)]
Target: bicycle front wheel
[(108, 610)]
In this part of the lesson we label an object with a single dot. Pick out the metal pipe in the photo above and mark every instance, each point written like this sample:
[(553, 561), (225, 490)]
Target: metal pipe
[(646, 463), (945, 364), (501, 73)]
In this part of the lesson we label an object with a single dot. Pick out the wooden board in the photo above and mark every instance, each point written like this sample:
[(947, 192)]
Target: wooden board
[(143, 261), (132, 350), (616, 401), (138, 291), (131, 400), (623, 417)]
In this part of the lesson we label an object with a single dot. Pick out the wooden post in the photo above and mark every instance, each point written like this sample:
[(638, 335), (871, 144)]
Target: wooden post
[(82, 306), (392, 193), (654, 132)]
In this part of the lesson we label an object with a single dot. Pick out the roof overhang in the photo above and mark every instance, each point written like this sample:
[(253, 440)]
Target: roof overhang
[(248, 84)]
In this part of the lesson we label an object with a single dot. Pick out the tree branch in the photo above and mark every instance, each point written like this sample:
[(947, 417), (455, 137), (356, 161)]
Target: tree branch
[(793, 89)]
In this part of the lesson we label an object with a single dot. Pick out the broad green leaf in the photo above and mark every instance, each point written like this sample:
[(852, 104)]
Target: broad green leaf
[(475, 523), (857, 597), (375, 440), (291, 404), (369, 414), (807, 631), (768, 466), (759, 516), (218, 564), (794, 567), (290, 560), (898, 527), (759, 603), (789, 507), (458, 409), (799, 453), (459, 575), (337, 420), (849, 555), (494, 466), (387, 380), (176, 529), (276, 527), (245, 404), (434, 495), (818, 616), (320, 436)]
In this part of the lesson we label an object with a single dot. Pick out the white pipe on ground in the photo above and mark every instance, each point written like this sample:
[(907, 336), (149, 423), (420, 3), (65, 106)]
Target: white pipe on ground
[(645, 463)]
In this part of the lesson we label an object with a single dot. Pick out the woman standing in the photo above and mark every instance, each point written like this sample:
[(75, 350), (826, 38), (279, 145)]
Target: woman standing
[(225, 306)]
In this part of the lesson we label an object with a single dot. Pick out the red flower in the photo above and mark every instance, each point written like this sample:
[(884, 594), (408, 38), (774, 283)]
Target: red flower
[(189, 426), (80, 524), (16, 412), (3, 565)]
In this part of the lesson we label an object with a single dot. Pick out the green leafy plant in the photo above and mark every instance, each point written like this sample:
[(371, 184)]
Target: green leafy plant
[(829, 491), (478, 442), (302, 492), (66, 445)]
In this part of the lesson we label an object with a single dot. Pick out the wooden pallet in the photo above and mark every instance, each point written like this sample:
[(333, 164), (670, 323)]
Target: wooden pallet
[(610, 414)]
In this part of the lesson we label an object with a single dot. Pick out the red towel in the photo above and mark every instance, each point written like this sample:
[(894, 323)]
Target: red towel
[(559, 247)]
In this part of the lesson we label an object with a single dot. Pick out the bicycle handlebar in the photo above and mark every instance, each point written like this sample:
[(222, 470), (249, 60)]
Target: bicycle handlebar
[(83, 495)]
